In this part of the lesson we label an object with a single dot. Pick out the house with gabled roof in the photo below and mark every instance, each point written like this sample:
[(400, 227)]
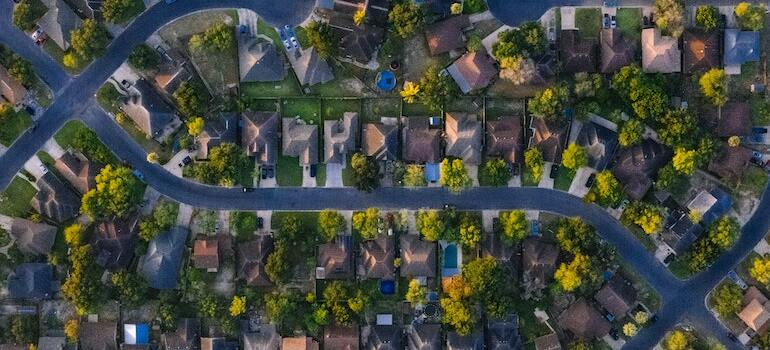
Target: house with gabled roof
[(731, 163), (617, 296), (335, 259), (259, 136), (173, 70), (161, 264), (463, 137), (36, 238), (549, 137), (740, 47), (617, 50), (505, 139), (584, 321), (505, 254), (310, 68), (259, 61), (577, 54), (635, 166), (422, 336), (660, 54), (380, 141), (217, 130), (418, 257), (115, 240), (54, 199), (148, 110), (539, 258), (11, 91), (299, 343), (548, 342), (701, 49), (447, 35), (381, 337), (186, 336), (300, 140), (78, 171), (341, 337), (377, 258), (51, 343), (503, 334), (473, 341), (599, 142), (206, 254), (735, 119), (101, 335), (473, 71), (756, 310), (252, 258), (58, 22), (340, 137), (421, 142), (33, 281), (264, 337)]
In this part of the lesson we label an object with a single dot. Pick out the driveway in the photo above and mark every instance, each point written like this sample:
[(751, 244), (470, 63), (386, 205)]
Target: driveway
[(334, 175)]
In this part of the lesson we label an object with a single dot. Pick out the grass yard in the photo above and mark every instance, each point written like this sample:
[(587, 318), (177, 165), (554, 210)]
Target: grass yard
[(307, 219), (347, 173), (109, 98), (219, 69), (588, 21), (243, 224), (630, 22), (334, 109), (12, 124), (301, 35), (67, 133), (529, 326), (563, 179), (288, 172), (148, 144), (344, 83), (15, 200), (287, 87), (259, 104), (527, 179), (375, 108), (679, 268), (500, 107), (418, 109), (308, 109), (266, 29), (464, 104), (484, 178), (320, 175)]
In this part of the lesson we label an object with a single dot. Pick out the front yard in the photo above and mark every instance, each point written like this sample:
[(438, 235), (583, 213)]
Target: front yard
[(12, 124), (15, 200), (630, 22), (288, 171), (588, 21)]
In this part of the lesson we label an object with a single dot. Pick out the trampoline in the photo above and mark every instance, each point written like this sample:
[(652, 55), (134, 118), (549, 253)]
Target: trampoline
[(386, 80)]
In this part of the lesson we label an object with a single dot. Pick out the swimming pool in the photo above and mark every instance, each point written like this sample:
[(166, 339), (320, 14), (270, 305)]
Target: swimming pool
[(450, 256)]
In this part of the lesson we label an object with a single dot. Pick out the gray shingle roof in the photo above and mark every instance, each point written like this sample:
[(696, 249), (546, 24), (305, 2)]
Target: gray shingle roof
[(259, 61), (421, 144), (33, 237), (147, 109), (100, 335), (336, 258), (58, 22), (617, 51), (340, 137), (185, 337), (377, 258), (115, 240), (418, 257), (300, 140), (423, 336), (259, 136), (54, 199), (463, 137), (31, 281), (160, 266), (310, 68), (599, 142), (635, 166)]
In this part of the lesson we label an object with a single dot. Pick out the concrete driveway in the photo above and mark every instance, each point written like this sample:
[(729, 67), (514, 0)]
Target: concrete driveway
[(307, 180), (545, 180), (578, 187), (334, 175)]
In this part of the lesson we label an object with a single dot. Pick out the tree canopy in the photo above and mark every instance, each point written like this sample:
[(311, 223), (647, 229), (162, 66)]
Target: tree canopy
[(190, 98), (435, 88), (760, 269), (670, 16), (630, 133), (644, 215), (534, 161), (330, 223), (219, 37), (120, 11), (323, 38), (713, 85), (406, 17), (144, 58), (496, 171), (727, 299), (549, 103), (366, 172), (707, 16), (87, 42), (367, 223), (574, 157), (514, 226), (430, 224), (117, 192), (525, 41), (226, 166), (454, 175), (750, 16)]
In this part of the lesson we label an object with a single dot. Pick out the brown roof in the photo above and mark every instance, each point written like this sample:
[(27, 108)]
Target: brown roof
[(584, 321), (377, 258), (634, 167), (493, 246), (336, 258), (756, 315), (341, 338), (617, 51), (418, 257), (10, 89), (754, 293), (33, 237), (54, 199), (539, 257), (115, 240), (421, 143), (340, 137), (735, 120), (505, 138), (100, 335), (252, 257), (548, 342), (299, 343), (217, 130), (380, 141), (701, 49), (731, 163), (259, 136), (447, 35), (617, 296), (78, 170), (549, 138), (206, 253), (463, 137), (576, 54), (300, 140), (473, 71)]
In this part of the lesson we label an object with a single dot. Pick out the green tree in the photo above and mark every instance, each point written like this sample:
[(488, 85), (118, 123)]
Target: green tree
[(670, 179), (487, 283), (496, 170), (470, 231), (117, 192), (330, 223), (644, 215), (533, 160), (724, 232), (414, 176), (219, 37), (131, 289), (630, 133), (144, 58), (458, 315), (25, 14), (225, 167), (684, 161), (574, 235), (760, 269), (367, 223), (513, 226), (707, 16), (430, 224), (525, 41), (163, 217), (89, 41), (454, 175), (549, 103), (238, 306), (190, 98), (647, 99), (713, 85), (750, 16), (680, 128), (120, 11), (21, 70), (278, 266), (574, 157), (670, 16), (366, 172), (208, 306), (571, 276), (727, 299), (435, 88), (323, 38), (676, 340), (586, 85), (608, 188), (335, 296), (415, 293), (405, 18)]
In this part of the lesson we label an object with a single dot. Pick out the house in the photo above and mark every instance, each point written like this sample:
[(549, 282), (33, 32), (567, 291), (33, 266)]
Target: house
[(217, 343), (418, 257), (335, 259), (148, 110), (300, 140), (599, 142), (264, 337), (185, 337), (740, 47), (136, 334), (310, 68), (505, 139), (51, 343), (447, 35), (54, 199), (32, 281), (299, 343), (584, 321), (115, 240), (493, 246), (421, 142), (35, 238), (259, 61), (680, 232), (340, 137), (548, 342), (660, 54), (78, 171), (617, 296), (217, 131), (635, 166), (539, 258), (473, 341), (341, 338), (259, 136), (161, 264), (577, 54), (206, 254), (617, 51), (102, 335), (59, 22), (357, 42), (503, 334), (711, 205), (380, 141), (11, 91), (732, 162), (421, 336), (381, 337), (172, 71), (252, 257), (360, 44), (463, 137), (473, 71), (549, 137), (735, 119), (377, 258), (701, 50), (756, 310)]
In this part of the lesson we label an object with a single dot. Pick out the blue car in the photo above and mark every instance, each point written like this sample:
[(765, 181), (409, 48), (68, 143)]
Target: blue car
[(284, 38)]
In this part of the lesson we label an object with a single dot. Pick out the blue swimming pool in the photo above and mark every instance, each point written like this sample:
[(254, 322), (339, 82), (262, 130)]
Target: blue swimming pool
[(450, 256)]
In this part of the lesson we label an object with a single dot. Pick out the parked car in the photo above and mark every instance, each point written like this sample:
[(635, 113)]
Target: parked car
[(138, 175), (614, 334), (43, 169), (125, 84), (590, 180), (284, 38), (313, 170), (646, 21), (732, 336), (732, 275), (554, 171), (187, 160), (248, 189), (606, 22), (244, 29), (613, 22), (756, 158), (260, 222), (294, 42), (759, 130)]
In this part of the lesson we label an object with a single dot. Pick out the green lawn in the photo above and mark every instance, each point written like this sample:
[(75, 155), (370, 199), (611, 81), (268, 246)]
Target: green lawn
[(375, 108), (288, 172), (679, 268), (320, 175), (308, 219), (265, 28), (302, 36), (67, 133), (500, 107), (343, 84), (243, 224), (287, 87), (527, 179), (15, 201), (630, 22), (334, 109), (464, 104), (58, 55), (12, 124), (148, 144), (109, 98), (308, 109), (347, 173), (588, 22), (418, 109), (484, 178), (219, 68), (563, 179), (259, 104)]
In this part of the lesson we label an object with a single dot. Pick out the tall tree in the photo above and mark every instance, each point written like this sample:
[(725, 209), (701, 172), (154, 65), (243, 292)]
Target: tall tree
[(323, 38), (513, 226), (366, 172), (331, 223), (707, 16), (120, 11), (405, 18), (367, 223), (549, 103), (670, 16), (713, 85), (574, 157), (89, 41), (454, 175), (750, 16), (430, 224), (435, 88), (144, 58), (117, 192), (727, 299), (533, 160), (630, 132)]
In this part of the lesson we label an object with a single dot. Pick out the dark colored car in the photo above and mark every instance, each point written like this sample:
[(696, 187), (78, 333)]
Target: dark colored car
[(606, 22), (653, 319), (590, 180), (554, 171), (313, 170), (732, 336), (614, 334), (187, 160), (263, 173), (260, 222)]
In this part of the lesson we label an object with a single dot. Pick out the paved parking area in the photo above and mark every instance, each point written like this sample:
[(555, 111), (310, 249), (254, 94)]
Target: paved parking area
[(578, 187), (307, 181), (334, 175)]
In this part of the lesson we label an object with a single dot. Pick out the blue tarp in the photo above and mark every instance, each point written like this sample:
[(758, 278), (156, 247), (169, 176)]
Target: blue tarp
[(432, 172)]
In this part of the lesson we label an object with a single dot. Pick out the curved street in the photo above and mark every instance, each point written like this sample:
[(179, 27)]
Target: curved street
[(74, 99)]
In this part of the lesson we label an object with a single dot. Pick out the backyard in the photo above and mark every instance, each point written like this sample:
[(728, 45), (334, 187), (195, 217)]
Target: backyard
[(376, 108), (334, 109), (307, 109)]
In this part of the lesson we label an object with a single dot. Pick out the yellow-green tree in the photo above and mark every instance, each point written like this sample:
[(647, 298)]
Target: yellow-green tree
[(470, 231), (574, 157), (670, 16), (727, 299), (153, 158), (572, 276), (713, 85), (416, 293), (548, 103), (195, 126), (513, 226), (73, 235), (454, 175), (707, 16), (750, 16), (458, 315), (724, 232), (406, 17), (414, 176), (607, 187), (630, 329), (237, 306), (330, 223), (117, 192), (760, 269), (684, 161), (630, 132), (410, 91), (71, 330), (367, 223), (359, 17), (676, 340), (641, 317), (734, 141), (430, 224), (456, 8), (533, 160)]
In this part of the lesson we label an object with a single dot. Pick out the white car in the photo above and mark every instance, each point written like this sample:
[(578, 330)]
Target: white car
[(294, 42), (43, 169)]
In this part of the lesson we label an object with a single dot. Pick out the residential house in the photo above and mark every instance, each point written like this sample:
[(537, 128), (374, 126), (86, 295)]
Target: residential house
[(503, 334), (259, 136), (493, 246), (377, 258), (252, 257), (264, 337), (599, 142), (115, 240), (701, 50), (87, 8), (463, 137), (78, 171), (505, 139), (473, 341), (217, 131), (418, 257), (548, 342), (740, 47), (422, 336), (357, 42), (206, 254), (756, 310), (54, 199), (617, 50), (680, 232), (660, 54), (259, 61), (381, 337), (539, 258), (584, 321), (148, 110), (160, 265), (380, 141), (51, 343), (33, 281), (310, 68), (299, 343), (335, 259), (340, 137), (300, 140), (635, 166), (473, 71), (731, 163), (447, 35), (617, 296), (421, 142), (185, 337), (173, 70), (11, 91), (341, 338), (102, 335), (577, 54), (735, 119), (710, 205), (218, 343), (549, 137), (58, 22), (35, 238)]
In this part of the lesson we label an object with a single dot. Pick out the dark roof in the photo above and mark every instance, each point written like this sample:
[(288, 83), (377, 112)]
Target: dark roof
[(447, 35), (423, 336), (680, 232), (361, 43), (503, 335), (473, 71), (340, 137), (617, 51), (505, 138), (539, 257), (147, 109), (735, 119), (740, 47), (310, 68), (185, 337), (206, 253), (473, 341), (584, 321), (634, 167), (259, 136), (115, 240), (463, 137), (58, 22), (31, 281), (264, 337), (10, 89), (731, 163), (259, 61), (35, 238), (341, 338), (380, 141), (418, 257), (599, 142), (218, 343), (300, 140), (549, 138), (160, 266), (548, 342), (701, 49), (336, 258), (576, 54), (252, 257), (54, 199), (102, 335), (217, 130), (381, 338), (617, 296), (173, 71), (493, 246), (78, 170), (421, 143), (51, 343), (377, 258)]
